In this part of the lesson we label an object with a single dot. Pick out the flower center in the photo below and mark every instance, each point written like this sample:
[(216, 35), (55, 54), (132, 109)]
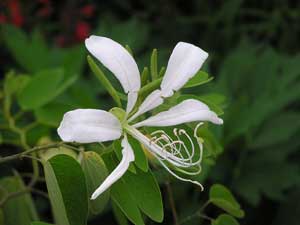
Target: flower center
[(119, 113)]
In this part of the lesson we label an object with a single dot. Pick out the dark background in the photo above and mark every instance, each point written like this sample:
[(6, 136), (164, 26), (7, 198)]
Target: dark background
[(253, 48)]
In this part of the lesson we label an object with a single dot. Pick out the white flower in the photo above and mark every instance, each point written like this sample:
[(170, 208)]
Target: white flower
[(91, 125)]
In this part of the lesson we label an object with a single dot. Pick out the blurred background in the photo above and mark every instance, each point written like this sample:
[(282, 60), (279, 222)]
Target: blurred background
[(254, 58)]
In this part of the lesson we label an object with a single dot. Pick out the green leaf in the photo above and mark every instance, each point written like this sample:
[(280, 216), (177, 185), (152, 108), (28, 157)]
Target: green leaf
[(104, 81), (73, 60), (51, 152), (13, 84), (30, 52), (119, 215), (222, 197), (40, 223), (67, 190), (52, 113), (19, 46), (225, 219), (122, 197), (153, 65), (41, 89), (39, 52), (95, 172), (18, 210), (210, 101), (212, 145), (146, 192), (141, 160), (200, 78)]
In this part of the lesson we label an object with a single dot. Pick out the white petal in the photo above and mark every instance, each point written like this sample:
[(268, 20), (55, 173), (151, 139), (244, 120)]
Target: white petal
[(128, 156), (152, 101), (132, 97), (187, 111), (185, 60), (118, 60), (89, 125)]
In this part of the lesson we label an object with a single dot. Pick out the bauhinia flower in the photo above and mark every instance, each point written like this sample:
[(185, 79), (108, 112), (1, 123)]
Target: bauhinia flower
[(92, 125)]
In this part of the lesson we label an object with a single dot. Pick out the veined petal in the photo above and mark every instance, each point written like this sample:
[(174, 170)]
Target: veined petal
[(131, 100), (128, 156), (89, 125), (118, 60), (185, 60), (152, 101), (187, 111)]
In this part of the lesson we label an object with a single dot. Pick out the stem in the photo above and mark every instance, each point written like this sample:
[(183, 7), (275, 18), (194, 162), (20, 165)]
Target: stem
[(172, 203), (12, 195), (32, 150), (198, 213), (9, 196)]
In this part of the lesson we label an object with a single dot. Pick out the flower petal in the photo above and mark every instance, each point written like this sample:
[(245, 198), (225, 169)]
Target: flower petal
[(185, 60), (89, 125), (128, 156), (132, 97), (152, 101), (187, 111), (118, 60)]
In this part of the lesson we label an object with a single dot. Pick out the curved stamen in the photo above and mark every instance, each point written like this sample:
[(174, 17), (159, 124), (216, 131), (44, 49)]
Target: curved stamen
[(177, 176), (179, 151), (159, 150)]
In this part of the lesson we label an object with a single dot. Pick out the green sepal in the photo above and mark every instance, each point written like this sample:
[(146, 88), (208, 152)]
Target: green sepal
[(104, 81)]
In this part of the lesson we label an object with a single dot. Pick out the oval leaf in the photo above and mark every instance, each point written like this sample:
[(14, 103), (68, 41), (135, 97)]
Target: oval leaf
[(121, 195), (67, 190), (222, 197), (200, 78), (146, 192), (119, 215), (95, 173), (225, 219), (41, 89), (141, 160), (22, 206), (40, 223)]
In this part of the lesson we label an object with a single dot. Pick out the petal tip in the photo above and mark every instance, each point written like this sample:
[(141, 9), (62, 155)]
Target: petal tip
[(219, 121), (94, 196)]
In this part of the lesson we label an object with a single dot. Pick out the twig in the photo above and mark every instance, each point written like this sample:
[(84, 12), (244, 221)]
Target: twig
[(39, 192), (29, 151), (29, 175), (12, 195), (172, 203), (198, 213)]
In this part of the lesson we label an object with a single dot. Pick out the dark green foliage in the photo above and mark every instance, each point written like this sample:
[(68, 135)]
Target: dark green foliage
[(255, 154), (67, 190)]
